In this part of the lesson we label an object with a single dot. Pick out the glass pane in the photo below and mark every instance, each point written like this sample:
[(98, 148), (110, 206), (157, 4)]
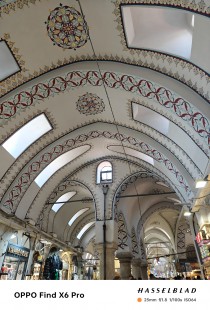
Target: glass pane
[(103, 176), (20, 270), (8, 63), (10, 265), (58, 163), (21, 140), (106, 168), (109, 176)]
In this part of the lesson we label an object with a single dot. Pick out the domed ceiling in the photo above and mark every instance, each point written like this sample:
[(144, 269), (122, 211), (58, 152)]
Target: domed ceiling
[(82, 82)]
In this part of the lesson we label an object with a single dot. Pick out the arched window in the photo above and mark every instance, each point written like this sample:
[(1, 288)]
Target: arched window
[(104, 172)]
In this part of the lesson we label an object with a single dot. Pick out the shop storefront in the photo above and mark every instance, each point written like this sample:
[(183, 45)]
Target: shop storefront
[(203, 241), (53, 266), (66, 262), (15, 262), (163, 268), (37, 267)]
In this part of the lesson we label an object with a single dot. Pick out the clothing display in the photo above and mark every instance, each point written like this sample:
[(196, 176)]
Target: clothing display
[(52, 266)]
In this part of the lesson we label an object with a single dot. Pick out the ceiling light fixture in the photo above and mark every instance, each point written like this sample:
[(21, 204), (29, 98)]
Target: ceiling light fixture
[(202, 183), (187, 213)]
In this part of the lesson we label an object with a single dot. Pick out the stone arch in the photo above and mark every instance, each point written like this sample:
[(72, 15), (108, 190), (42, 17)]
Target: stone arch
[(16, 192), (157, 207), (44, 214), (133, 178), (80, 225)]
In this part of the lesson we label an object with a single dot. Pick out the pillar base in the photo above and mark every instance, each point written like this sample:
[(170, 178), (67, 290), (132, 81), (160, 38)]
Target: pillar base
[(144, 274), (136, 268), (110, 255), (125, 264)]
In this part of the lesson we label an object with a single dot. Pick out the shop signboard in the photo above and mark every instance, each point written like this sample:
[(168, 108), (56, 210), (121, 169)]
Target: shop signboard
[(17, 251)]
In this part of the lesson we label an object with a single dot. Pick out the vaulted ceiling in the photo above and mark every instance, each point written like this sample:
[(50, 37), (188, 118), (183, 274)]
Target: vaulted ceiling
[(87, 68)]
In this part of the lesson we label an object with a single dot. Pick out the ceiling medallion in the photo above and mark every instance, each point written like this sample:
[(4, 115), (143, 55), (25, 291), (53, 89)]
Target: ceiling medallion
[(67, 28), (90, 104)]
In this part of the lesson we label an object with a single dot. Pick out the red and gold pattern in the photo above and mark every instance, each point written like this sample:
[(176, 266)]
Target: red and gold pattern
[(90, 104), (67, 28), (176, 105)]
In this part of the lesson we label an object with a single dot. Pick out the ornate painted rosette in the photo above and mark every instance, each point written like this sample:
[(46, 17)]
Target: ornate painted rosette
[(67, 28), (90, 104)]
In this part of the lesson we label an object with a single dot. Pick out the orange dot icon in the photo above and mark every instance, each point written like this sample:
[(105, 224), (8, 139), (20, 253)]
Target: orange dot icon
[(139, 299)]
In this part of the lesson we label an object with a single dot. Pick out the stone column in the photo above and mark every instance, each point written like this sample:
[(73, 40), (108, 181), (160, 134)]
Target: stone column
[(125, 264), (110, 256), (144, 274), (30, 258), (80, 269), (136, 268)]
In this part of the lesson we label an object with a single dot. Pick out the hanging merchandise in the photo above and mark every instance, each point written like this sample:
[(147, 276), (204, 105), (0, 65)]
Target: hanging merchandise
[(36, 271), (52, 266), (203, 242), (37, 266)]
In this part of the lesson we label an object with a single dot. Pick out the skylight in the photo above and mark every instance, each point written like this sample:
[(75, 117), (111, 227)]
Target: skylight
[(150, 118), (73, 219), (131, 152), (58, 163), (84, 229), (8, 64), (26, 135), (62, 200), (161, 29)]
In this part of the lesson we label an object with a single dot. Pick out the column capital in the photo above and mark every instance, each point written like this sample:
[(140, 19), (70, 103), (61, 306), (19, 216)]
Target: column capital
[(109, 245), (124, 256), (125, 264)]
